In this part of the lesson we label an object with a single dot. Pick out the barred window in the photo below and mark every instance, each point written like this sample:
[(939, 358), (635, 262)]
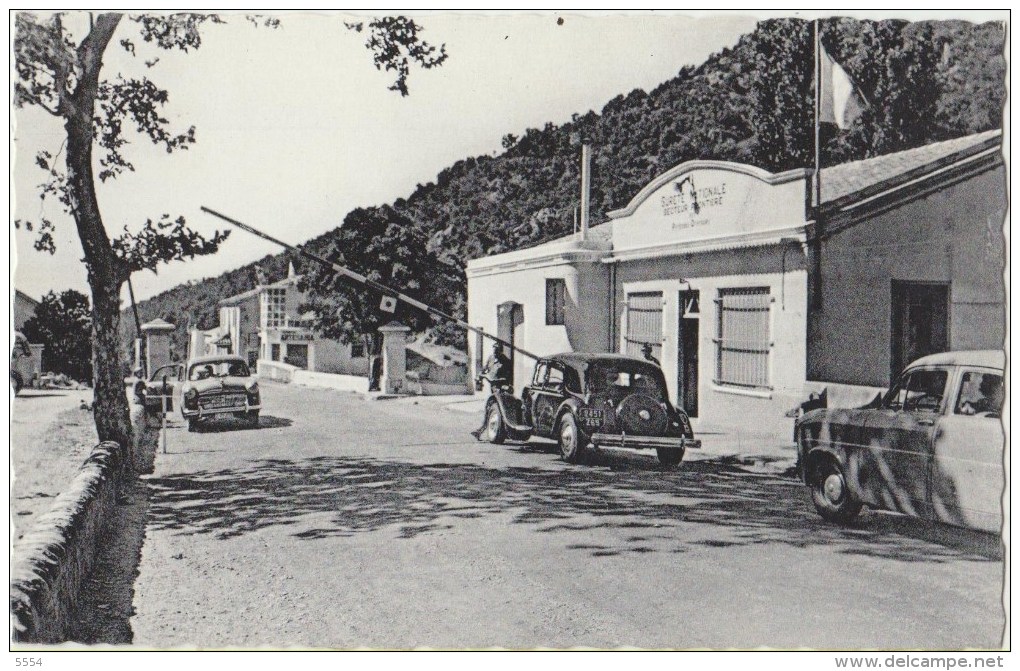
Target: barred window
[(644, 324), (555, 298), (274, 307), (743, 344)]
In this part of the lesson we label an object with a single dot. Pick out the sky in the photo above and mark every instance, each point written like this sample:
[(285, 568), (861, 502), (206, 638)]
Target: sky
[(295, 127)]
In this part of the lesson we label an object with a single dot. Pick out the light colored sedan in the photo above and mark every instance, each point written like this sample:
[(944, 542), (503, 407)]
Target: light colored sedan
[(932, 448), (217, 386)]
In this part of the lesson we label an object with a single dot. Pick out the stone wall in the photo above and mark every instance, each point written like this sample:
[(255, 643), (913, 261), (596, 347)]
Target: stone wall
[(50, 563)]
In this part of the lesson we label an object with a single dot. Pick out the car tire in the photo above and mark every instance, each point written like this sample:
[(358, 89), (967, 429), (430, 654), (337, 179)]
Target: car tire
[(570, 440), (670, 458), (495, 430), (252, 416), (831, 495), (16, 383)]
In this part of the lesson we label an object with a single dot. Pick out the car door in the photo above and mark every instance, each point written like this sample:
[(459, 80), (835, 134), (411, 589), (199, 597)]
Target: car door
[(967, 477), (899, 438), (157, 391), (548, 398), (533, 393)]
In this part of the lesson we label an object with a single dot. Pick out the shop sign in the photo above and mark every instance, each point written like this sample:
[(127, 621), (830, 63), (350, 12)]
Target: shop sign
[(690, 203), (297, 336)]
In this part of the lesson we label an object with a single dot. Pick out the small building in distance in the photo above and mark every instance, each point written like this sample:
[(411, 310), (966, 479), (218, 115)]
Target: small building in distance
[(265, 323), (26, 358)]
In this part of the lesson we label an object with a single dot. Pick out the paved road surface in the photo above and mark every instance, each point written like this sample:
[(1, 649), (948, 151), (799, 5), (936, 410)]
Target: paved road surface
[(343, 523)]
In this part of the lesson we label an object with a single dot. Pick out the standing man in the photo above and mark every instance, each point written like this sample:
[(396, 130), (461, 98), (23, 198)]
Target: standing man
[(646, 350), (497, 371)]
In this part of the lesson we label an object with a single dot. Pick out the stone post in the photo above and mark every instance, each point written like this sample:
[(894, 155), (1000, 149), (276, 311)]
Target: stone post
[(157, 344), (394, 352)]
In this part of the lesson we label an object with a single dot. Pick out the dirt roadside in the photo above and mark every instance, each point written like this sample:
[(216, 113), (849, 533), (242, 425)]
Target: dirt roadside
[(51, 435)]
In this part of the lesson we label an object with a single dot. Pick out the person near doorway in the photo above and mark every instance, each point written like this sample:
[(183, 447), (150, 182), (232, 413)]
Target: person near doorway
[(497, 372), (646, 350)]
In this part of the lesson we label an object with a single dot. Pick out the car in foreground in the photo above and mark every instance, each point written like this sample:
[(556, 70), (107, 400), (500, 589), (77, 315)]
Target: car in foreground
[(593, 400), (219, 386), (932, 447)]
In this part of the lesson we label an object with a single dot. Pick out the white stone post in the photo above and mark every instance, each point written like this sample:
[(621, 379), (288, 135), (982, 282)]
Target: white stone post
[(157, 344), (394, 352)]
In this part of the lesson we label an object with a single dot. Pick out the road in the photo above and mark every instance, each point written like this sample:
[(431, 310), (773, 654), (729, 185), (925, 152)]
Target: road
[(345, 523)]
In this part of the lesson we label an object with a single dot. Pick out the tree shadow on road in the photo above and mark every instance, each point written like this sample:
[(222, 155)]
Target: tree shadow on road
[(704, 504)]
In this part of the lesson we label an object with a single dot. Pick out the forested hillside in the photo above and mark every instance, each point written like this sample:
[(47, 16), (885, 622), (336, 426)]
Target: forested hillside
[(751, 103)]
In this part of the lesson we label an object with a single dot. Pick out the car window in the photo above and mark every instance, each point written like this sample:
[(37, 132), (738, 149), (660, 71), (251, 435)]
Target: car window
[(924, 390), (627, 379), (204, 371), (980, 394), (540, 372), (555, 378), (172, 372)]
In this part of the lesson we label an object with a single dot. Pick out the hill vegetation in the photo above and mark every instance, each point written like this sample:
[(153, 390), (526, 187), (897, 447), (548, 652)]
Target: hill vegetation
[(751, 103)]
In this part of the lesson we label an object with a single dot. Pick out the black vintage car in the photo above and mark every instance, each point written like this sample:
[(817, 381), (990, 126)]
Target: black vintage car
[(601, 400)]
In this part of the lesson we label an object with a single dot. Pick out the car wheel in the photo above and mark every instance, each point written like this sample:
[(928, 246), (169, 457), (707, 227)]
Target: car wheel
[(831, 495), (253, 418), (16, 383), (495, 432), (670, 458), (571, 449)]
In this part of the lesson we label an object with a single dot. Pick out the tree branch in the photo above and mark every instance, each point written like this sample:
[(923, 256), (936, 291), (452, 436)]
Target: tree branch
[(22, 92)]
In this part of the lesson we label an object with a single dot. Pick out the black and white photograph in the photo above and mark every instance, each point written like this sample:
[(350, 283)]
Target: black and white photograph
[(510, 330)]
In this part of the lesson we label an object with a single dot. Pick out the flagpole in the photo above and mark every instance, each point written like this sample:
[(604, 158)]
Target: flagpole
[(818, 124)]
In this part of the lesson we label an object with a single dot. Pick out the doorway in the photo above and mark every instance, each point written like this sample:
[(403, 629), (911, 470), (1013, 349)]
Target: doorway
[(297, 355), (920, 322), (687, 351), (509, 316)]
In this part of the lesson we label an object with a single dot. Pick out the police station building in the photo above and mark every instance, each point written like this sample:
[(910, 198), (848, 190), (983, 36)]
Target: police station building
[(747, 302)]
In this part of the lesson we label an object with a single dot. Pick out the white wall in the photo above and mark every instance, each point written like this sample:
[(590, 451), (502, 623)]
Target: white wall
[(586, 325), (752, 412)]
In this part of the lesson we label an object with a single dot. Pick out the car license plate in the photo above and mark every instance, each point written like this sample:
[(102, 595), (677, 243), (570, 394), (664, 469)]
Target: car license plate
[(591, 417), (224, 402)]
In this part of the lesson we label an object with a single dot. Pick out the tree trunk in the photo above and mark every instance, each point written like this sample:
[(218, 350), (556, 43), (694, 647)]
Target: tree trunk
[(106, 272), (110, 408)]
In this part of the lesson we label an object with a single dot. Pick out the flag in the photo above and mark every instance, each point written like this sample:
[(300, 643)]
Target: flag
[(840, 100), (388, 304)]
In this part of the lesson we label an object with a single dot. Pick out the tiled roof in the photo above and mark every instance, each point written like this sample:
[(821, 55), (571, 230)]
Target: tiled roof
[(845, 179)]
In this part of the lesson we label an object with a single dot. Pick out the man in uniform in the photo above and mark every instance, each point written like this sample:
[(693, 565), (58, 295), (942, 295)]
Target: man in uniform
[(497, 372)]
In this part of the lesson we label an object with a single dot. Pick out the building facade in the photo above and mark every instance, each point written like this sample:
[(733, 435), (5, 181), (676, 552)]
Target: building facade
[(747, 303), (266, 323), (26, 358)]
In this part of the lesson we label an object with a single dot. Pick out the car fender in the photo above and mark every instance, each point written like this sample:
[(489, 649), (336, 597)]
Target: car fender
[(568, 405)]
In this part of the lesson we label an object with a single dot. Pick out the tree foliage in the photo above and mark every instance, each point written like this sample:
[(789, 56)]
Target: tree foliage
[(62, 323), (395, 43), (59, 70), (388, 248)]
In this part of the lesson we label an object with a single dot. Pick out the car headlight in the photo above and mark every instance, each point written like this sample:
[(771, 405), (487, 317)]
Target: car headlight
[(190, 397)]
